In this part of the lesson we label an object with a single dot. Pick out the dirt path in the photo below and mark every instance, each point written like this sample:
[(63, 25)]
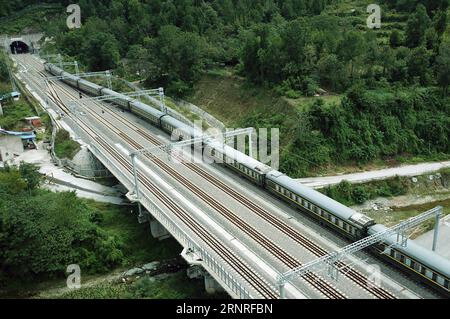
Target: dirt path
[(364, 177)]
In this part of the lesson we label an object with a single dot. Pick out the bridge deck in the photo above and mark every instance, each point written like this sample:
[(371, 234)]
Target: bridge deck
[(245, 236)]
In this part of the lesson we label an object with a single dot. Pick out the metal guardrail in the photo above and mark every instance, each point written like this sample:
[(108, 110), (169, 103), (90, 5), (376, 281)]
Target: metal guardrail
[(211, 264)]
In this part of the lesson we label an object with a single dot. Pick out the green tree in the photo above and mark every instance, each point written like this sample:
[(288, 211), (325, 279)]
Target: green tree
[(443, 67), (395, 39), (180, 56), (440, 22), (101, 52), (30, 173), (351, 48), (416, 26), (4, 75), (418, 64)]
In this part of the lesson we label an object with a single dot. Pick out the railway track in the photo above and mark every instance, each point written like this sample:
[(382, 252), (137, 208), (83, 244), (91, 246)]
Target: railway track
[(243, 270), (314, 280), (352, 274)]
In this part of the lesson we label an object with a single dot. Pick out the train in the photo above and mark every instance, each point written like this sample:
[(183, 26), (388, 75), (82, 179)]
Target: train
[(429, 267)]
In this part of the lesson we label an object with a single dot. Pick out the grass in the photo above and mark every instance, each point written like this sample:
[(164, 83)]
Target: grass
[(65, 147), (138, 244), (176, 286), (303, 104), (352, 194), (230, 98), (14, 113), (399, 214)]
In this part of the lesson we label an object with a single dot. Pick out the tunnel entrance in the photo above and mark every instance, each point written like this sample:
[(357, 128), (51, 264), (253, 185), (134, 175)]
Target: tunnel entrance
[(19, 47)]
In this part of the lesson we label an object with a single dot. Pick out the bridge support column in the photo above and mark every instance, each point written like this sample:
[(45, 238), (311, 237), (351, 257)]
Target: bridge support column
[(211, 285), (196, 271), (158, 231)]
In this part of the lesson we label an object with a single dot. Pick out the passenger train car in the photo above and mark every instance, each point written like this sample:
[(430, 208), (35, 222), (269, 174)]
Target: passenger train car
[(328, 211), (429, 266)]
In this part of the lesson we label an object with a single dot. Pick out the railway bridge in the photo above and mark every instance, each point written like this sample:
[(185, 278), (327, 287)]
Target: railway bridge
[(231, 231)]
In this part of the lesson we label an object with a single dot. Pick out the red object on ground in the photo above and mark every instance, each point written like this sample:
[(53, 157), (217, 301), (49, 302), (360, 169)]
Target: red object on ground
[(36, 123)]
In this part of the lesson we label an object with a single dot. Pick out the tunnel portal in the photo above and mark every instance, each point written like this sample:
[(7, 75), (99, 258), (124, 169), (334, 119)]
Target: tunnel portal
[(19, 47)]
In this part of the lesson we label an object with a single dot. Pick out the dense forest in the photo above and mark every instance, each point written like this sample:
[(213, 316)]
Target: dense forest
[(42, 232), (394, 81)]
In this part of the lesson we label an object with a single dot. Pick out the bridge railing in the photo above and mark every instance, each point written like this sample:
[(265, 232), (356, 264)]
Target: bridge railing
[(209, 262)]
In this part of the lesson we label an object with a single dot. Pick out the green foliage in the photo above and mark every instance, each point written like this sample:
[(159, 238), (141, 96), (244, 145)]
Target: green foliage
[(370, 124), (14, 112), (30, 173), (43, 232), (175, 286), (137, 243), (17, 16), (4, 75), (65, 147), (355, 194), (395, 40), (443, 67), (417, 26)]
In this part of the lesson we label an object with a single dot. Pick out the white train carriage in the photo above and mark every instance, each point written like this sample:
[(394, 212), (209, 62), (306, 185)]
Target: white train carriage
[(146, 112), (237, 161), (178, 130), (427, 265), (328, 211), (70, 79), (89, 87), (53, 69), (121, 100)]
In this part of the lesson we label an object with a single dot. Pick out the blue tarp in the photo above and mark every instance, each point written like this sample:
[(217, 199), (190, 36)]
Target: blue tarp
[(22, 135), (6, 96)]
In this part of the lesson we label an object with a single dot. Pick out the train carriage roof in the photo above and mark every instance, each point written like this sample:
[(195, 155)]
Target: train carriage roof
[(178, 124), (311, 195), (147, 108), (421, 254), (90, 84), (240, 157)]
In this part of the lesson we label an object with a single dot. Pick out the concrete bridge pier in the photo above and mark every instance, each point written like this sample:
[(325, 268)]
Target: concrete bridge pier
[(211, 285), (157, 230), (196, 271)]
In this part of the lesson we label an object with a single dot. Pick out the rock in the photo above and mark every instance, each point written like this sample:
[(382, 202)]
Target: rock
[(133, 272), (151, 266)]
